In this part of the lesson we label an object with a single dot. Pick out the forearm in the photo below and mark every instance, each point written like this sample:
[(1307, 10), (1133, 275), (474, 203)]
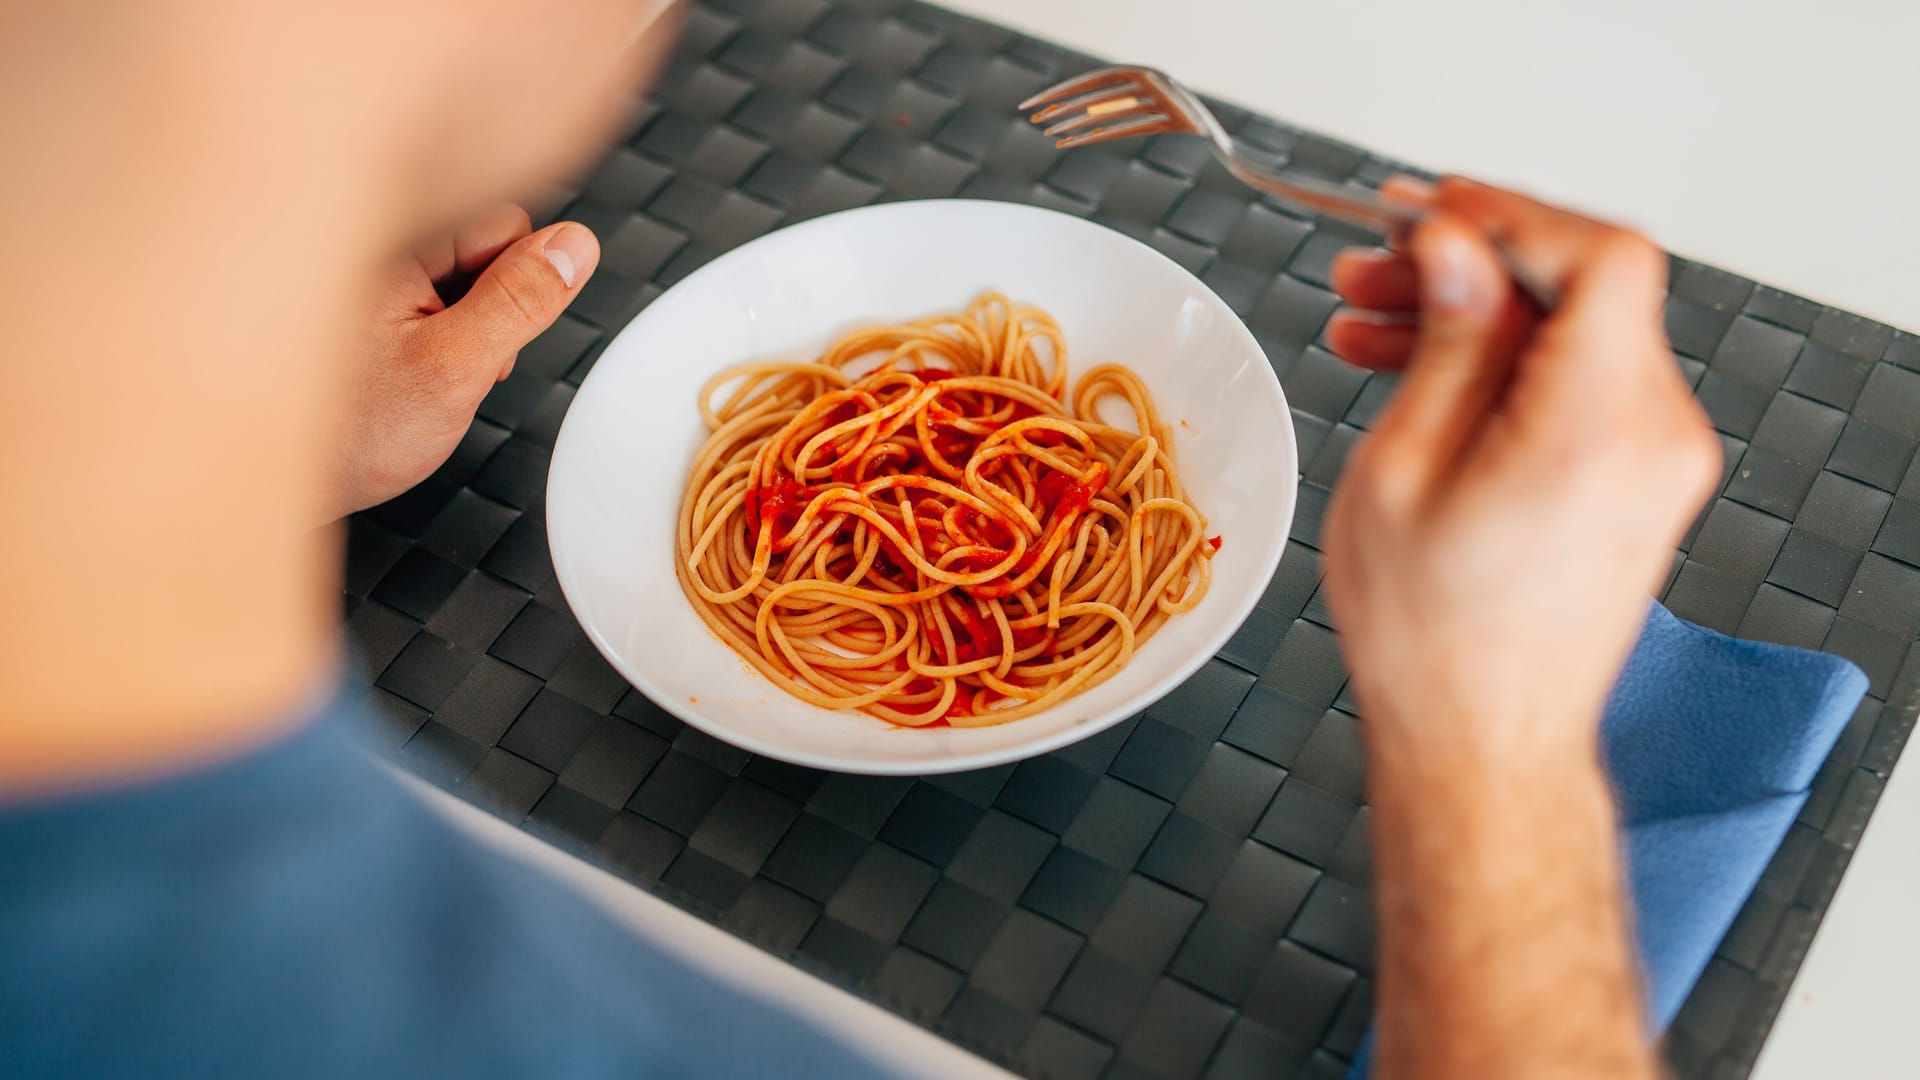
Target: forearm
[(1505, 948)]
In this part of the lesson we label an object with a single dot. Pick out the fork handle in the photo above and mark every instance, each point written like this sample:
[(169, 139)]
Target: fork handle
[(1369, 212)]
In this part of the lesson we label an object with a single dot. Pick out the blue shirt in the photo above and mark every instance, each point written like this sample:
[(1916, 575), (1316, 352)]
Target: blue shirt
[(293, 912)]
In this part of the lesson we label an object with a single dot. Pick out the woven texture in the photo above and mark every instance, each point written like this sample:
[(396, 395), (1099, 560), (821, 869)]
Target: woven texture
[(1187, 893)]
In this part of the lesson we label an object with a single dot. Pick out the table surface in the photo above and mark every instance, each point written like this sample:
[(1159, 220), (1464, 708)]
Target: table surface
[(1438, 90), (1706, 88)]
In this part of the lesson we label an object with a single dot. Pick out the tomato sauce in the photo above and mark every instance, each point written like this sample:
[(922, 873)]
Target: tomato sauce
[(779, 505)]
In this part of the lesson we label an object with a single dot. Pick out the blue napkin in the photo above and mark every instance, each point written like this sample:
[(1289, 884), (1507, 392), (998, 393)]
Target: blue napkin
[(1711, 743)]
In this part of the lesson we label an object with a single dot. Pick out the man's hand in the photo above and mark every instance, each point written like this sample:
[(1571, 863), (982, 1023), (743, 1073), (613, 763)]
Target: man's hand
[(1495, 539), (426, 365), (1489, 556)]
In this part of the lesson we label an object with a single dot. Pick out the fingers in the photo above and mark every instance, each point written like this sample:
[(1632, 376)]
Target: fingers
[(1369, 340), (1407, 190), (1383, 290), (1603, 346), (436, 257), (477, 242), (474, 244), (1496, 393), (1548, 240), (1598, 406), (1376, 280), (1455, 372), (519, 295), (1610, 286)]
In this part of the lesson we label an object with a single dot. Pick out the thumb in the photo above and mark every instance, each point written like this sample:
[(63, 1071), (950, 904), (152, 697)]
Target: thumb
[(1459, 363), (522, 292)]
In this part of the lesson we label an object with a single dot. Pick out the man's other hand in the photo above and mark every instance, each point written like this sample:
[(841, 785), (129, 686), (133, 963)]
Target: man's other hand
[(425, 366)]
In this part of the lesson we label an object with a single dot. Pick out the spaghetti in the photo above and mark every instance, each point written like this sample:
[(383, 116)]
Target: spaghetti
[(945, 538)]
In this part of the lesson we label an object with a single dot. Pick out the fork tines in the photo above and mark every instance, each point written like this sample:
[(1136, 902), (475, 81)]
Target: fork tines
[(1109, 103)]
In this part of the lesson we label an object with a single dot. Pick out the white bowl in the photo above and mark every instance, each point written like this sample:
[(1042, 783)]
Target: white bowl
[(621, 462)]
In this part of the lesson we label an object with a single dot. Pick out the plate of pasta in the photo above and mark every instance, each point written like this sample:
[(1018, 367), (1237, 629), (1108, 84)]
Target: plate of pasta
[(922, 487)]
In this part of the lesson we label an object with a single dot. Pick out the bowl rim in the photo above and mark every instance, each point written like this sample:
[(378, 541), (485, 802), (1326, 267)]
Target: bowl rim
[(565, 572)]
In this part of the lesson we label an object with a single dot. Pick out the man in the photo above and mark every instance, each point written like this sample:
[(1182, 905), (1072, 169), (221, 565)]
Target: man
[(224, 220)]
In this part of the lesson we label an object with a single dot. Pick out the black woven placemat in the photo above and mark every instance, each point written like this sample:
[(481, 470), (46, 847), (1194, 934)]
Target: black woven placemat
[(1186, 893)]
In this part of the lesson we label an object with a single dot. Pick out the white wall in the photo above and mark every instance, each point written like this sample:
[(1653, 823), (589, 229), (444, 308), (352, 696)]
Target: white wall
[(1777, 139)]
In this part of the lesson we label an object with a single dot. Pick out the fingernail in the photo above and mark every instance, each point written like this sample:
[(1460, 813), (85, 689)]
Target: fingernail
[(1447, 273), (572, 250)]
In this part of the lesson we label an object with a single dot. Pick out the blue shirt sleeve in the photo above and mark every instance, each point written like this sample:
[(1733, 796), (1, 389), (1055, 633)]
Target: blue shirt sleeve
[(293, 912)]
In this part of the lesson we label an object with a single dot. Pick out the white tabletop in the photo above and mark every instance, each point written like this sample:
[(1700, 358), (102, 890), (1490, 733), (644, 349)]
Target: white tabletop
[(1770, 137), (1763, 136)]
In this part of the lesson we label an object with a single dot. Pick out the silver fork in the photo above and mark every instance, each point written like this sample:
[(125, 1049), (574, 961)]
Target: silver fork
[(1124, 102)]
